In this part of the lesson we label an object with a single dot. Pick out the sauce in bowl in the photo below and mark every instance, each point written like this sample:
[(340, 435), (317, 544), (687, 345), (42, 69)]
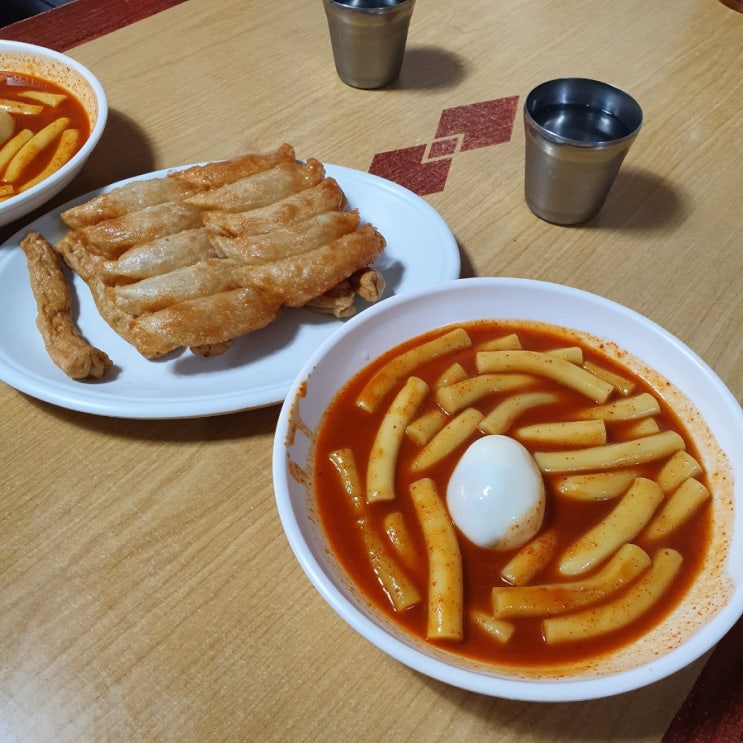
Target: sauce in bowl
[(601, 570), (42, 126)]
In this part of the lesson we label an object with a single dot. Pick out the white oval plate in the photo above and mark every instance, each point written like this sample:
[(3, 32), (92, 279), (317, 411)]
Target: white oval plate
[(259, 368)]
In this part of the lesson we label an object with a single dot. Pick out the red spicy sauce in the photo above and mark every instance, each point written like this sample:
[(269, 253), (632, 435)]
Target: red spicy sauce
[(13, 85), (347, 426)]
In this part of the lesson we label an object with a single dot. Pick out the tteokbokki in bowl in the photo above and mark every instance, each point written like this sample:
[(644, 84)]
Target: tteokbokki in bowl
[(52, 113), (517, 488)]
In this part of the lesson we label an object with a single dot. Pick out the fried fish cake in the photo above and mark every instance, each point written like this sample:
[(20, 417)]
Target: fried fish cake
[(63, 342), (209, 253)]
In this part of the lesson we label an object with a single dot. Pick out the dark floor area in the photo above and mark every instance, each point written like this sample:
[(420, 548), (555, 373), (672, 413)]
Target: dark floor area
[(17, 10)]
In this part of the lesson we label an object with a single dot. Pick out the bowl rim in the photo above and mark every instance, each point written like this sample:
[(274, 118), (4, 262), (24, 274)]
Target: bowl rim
[(96, 129), (509, 687)]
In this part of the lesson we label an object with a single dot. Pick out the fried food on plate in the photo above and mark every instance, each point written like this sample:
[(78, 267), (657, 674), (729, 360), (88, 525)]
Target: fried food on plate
[(287, 241), (110, 238), (64, 344), (211, 252), (325, 196), (339, 301), (181, 184), (158, 256), (202, 321), (262, 188), (222, 172), (298, 279), (125, 199)]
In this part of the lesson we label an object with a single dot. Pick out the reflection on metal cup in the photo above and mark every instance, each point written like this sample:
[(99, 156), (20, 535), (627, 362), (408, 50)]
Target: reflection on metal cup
[(368, 39), (578, 132)]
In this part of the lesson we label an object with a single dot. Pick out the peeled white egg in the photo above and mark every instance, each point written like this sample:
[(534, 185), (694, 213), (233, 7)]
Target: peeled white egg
[(496, 494)]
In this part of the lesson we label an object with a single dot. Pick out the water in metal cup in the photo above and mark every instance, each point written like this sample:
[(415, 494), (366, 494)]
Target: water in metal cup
[(368, 39), (578, 132)]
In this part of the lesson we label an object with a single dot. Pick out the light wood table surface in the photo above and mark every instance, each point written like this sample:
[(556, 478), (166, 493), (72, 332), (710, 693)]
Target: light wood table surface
[(147, 591)]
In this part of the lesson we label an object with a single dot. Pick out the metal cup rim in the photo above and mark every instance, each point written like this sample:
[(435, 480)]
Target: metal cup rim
[(381, 9), (566, 83)]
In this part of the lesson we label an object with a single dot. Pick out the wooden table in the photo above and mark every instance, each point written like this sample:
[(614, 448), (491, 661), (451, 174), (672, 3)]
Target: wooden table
[(146, 589)]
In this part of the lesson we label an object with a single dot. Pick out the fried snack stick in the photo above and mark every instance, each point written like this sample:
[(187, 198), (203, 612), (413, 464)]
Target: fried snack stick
[(299, 279), (261, 189), (194, 273), (368, 283), (125, 199), (64, 344), (181, 299), (206, 321), (79, 260), (325, 196), (111, 237), (211, 349), (176, 186), (286, 241), (340, 300), (217, 318), (152, 258), (206, 324), (211, 276), (228, 171), (159, 256)]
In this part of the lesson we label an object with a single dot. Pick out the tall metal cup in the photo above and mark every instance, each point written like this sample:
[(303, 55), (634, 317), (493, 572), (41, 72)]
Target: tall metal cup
[(578, 132), (368, 39)]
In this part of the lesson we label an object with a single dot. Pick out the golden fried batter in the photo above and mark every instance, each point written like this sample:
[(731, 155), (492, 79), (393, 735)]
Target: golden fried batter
[(203, 321), (209, 253), (67, 349), (212, 175), (325, 196), (261, 189)]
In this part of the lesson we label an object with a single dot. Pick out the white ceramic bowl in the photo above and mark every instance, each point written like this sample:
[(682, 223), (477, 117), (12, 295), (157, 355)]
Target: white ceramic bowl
[(16, 56), (714, 602)]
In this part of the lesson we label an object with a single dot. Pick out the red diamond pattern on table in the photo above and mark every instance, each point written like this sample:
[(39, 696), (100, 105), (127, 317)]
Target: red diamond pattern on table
[(407, 167), (424, 168), (481, 124)]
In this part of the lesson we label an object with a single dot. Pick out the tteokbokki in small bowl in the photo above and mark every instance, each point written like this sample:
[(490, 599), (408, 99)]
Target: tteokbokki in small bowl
[(517, 488), (52, 114)]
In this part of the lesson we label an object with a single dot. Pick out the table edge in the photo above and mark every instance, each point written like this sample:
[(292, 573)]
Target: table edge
[(75, 23)]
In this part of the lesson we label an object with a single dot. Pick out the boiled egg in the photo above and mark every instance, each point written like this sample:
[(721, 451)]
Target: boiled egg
[(495, 494)]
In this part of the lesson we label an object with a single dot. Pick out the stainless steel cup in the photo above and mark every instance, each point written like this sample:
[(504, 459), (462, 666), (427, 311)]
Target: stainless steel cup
[(368, 39), (578, 132)]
